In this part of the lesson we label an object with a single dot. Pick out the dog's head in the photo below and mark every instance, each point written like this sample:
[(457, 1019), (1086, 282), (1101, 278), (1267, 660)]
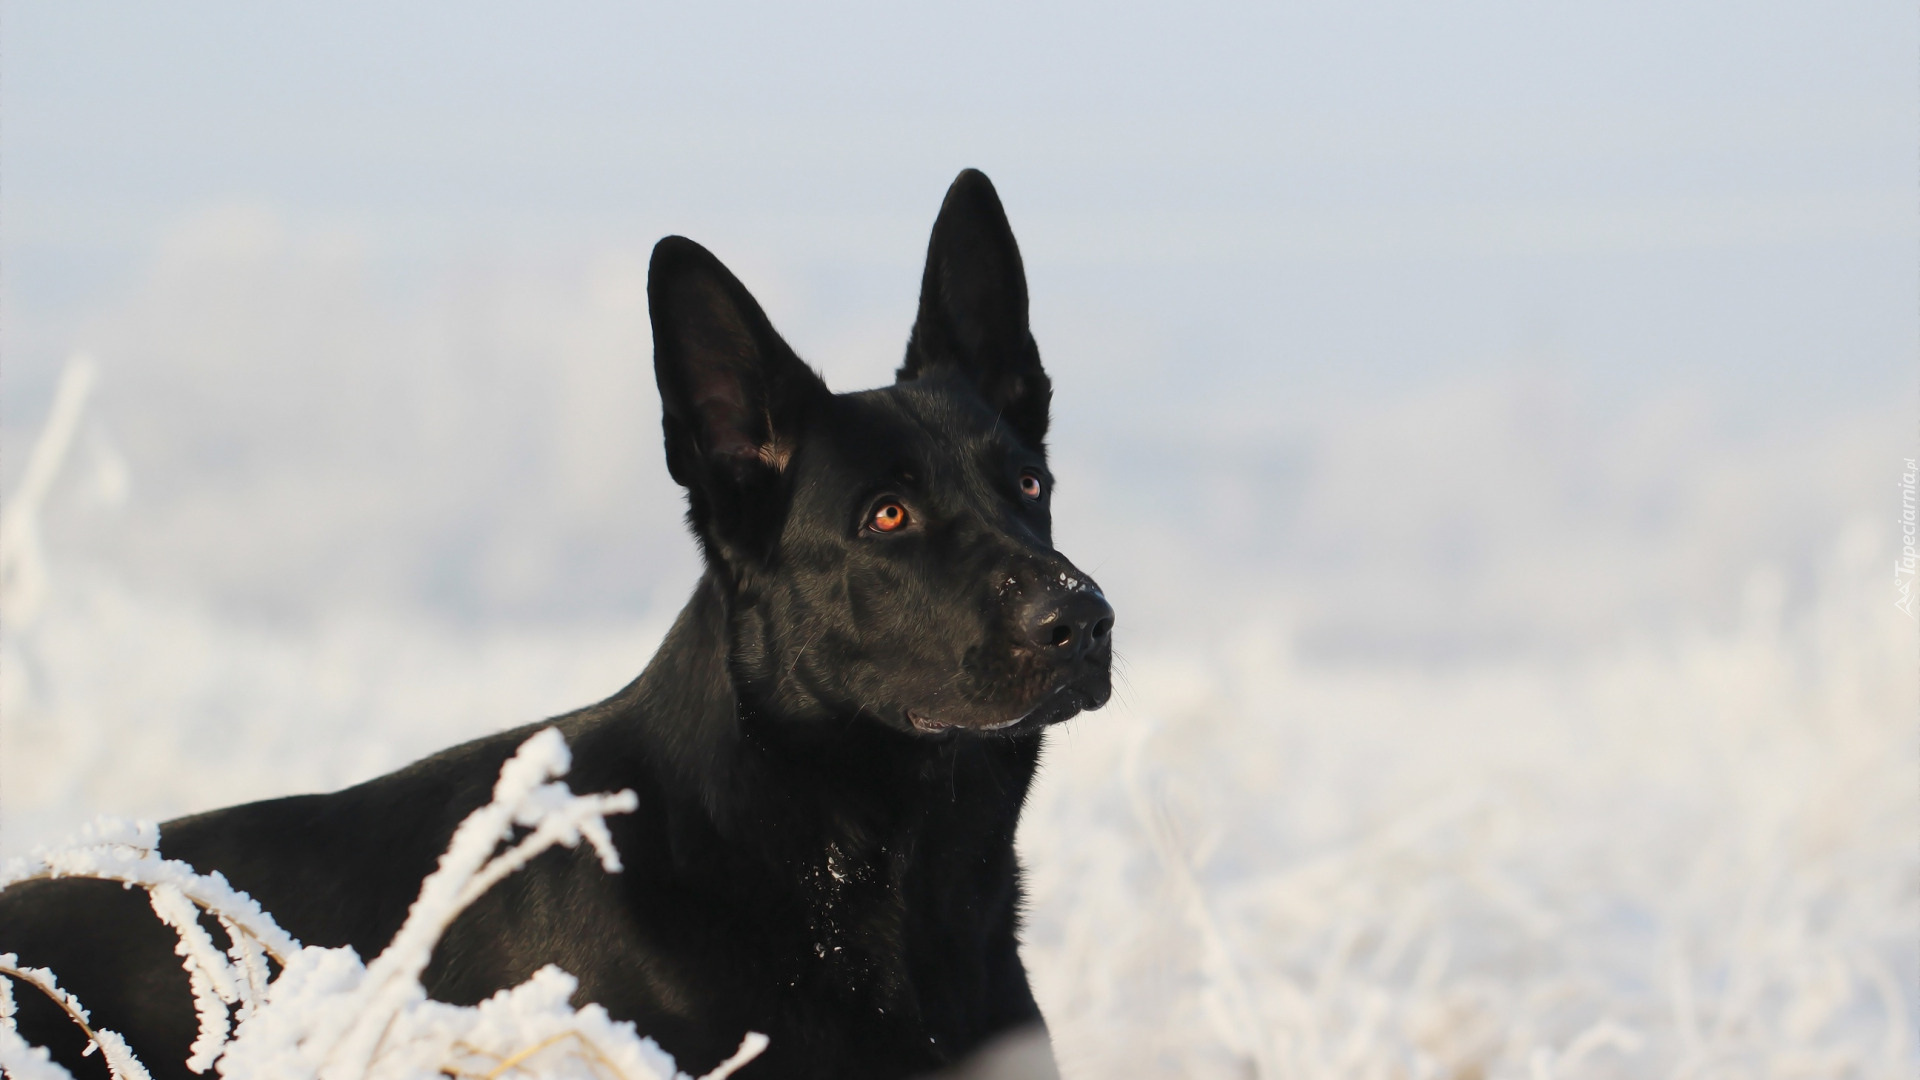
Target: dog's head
[(887, 554)]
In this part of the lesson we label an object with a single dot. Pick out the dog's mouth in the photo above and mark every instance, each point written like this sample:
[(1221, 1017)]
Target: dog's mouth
[(1063, 703)]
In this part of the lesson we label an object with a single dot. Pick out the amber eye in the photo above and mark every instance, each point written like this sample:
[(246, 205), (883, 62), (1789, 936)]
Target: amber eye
[(1030, 485), (888, 517)]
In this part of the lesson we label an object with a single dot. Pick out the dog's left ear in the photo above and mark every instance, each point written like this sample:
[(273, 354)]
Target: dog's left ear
[(973, 310), (733, 394)]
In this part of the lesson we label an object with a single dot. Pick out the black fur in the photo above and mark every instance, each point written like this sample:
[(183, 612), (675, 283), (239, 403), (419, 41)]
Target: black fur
[(831, 747)]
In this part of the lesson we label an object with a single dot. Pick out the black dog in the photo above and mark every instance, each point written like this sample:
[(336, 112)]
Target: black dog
[(831, 747)]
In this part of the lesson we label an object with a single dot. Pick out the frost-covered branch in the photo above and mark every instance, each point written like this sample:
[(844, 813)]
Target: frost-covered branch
[(330, 1017), (112, 850), (23, 1062)]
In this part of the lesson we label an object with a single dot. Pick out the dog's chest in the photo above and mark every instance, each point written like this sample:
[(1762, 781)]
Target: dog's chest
[(855, 912), (878, 907)]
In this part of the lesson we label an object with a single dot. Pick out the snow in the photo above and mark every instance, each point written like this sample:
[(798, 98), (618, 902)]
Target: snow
[(1695, 860)]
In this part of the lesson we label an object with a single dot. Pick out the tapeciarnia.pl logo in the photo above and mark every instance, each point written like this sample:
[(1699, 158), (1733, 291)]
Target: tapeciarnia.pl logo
[(1903, 566)]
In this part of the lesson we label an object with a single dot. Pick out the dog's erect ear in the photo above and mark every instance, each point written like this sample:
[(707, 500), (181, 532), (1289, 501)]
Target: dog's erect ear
[(733, 394), (973, 309)]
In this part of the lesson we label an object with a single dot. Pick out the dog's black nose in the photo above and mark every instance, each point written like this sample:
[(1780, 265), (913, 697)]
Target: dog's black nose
[(1068, 626)]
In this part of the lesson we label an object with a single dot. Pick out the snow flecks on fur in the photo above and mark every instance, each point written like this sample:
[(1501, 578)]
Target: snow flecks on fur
[(330, 1017)]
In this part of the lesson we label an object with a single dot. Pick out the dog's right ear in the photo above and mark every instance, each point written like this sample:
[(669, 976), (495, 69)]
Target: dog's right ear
[(973, 310), (733, 395)]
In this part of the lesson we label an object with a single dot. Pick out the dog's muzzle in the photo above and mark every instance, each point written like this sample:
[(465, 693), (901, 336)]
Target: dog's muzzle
[(1066, 621)]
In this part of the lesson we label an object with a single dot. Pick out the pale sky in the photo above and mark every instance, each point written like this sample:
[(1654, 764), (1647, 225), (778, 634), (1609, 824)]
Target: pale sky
[(294, 233), (1644, 184)]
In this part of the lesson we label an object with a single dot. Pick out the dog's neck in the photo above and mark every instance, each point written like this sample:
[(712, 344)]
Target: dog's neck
[(706, 744), (684, 701)]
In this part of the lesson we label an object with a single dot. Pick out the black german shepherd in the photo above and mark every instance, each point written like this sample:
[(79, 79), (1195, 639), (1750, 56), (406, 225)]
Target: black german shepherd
[(831, 747)]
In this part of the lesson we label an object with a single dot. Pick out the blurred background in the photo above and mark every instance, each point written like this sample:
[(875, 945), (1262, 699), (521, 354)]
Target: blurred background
[(1489, 422)]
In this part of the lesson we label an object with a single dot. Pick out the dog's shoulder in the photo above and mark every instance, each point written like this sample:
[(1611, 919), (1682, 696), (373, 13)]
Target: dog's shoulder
[(339, 868)]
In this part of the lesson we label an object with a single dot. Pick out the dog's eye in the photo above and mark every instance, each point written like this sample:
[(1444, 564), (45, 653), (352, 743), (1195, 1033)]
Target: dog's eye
[(1030, 485), (888, 517)]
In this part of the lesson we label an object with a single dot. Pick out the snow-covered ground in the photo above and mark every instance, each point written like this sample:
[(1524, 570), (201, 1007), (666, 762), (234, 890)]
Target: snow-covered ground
[(1681, 849), (1691, 859)]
